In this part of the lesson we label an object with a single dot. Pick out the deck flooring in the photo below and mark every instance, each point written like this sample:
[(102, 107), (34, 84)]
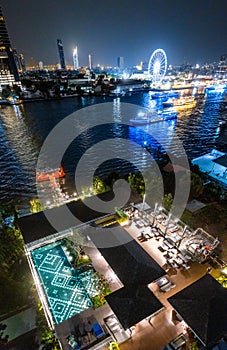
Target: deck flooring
[(162, 327)]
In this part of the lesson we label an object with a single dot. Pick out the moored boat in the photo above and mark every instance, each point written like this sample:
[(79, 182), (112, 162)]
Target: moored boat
[(164, 95), (49, 174), (216, 87), (183, 102)]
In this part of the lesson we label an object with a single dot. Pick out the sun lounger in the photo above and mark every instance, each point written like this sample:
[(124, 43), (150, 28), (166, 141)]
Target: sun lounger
[(167, 287), (148, 236), (97, 329), (173, 229), (162, 281), (142, 238), (172, 263)]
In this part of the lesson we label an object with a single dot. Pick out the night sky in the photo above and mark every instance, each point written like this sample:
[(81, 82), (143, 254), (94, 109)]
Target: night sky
[(192, 31)]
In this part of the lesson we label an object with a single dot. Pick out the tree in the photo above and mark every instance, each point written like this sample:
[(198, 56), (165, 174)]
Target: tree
[(48, 339), (137, 183), (196, 186), (153, 186), (98, 186), (35, 206), (15, 275), (6, 92), (3, 338), (103, 289), (167, 201)]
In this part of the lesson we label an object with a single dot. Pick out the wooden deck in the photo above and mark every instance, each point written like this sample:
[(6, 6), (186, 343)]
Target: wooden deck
[(162, 328)]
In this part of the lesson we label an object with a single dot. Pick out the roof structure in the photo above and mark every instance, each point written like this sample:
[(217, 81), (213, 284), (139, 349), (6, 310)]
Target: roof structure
[(133, 303), (131, 263), (136, 269), (36, 226), (221, 160), (203, 306)]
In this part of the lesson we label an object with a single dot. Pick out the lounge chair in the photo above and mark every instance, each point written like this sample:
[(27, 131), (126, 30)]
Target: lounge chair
[(97, 329), (167, 287)]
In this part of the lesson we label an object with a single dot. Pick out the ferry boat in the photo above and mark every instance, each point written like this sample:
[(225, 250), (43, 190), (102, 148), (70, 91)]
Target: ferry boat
[(216, 88), (164, 94), (49, 174), (179, 103), (154, 118)]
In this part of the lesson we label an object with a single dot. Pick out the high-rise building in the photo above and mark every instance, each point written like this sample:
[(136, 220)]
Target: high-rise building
[(19, 60), (90, 64), (61, 53), (22, 62), (8, 69), (41, 65), (222, 67), (75, 59), (120, 62)]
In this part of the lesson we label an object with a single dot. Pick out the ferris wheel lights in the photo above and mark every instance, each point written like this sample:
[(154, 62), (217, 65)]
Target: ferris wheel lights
[(157, 66)]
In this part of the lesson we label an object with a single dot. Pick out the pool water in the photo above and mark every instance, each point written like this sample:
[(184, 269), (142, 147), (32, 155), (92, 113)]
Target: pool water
[(68, 290)]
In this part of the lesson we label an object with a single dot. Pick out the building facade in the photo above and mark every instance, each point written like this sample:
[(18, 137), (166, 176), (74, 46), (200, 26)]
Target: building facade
[(61, 53), (19, 60), (75, 59), (90, 63), (120, 62), (8, 69), (222, 67)]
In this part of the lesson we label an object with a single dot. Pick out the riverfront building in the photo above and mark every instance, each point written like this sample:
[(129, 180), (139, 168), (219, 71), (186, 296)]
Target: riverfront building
[(8, 69)]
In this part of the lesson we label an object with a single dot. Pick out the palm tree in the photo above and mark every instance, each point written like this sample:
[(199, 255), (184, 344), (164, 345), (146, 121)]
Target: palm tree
[(196, 186)]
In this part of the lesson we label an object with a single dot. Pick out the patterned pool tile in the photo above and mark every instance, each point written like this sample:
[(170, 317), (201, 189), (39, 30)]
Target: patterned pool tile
[(68, 290), (59, 281)]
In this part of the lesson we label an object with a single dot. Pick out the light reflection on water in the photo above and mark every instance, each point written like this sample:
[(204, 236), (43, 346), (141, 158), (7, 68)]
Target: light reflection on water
[(23, 129)]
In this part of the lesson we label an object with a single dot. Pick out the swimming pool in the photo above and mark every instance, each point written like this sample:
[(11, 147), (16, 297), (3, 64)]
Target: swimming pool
[(68, 290)]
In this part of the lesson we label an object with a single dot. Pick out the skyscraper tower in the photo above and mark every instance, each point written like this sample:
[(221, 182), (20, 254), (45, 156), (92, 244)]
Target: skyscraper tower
[(19, 60), (120, 62), (75, 59), (7, 62), (61, 53), (222, 67), (90, 62)]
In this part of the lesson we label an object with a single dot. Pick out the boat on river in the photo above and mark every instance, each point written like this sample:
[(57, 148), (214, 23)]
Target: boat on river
[(217, 87), (154, 118), (164, 95), (180, 103), (49, 174)]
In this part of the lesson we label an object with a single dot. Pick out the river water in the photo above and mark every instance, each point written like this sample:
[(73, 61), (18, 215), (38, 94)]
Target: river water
[(23, 129)]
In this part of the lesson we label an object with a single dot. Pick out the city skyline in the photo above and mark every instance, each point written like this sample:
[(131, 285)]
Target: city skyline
[(191, 32)]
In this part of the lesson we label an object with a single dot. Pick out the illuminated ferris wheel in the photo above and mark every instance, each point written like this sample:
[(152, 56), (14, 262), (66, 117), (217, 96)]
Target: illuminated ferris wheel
[(157, 66)]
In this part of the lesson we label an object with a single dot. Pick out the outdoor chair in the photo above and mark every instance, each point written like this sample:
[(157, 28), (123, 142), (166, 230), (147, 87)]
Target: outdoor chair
[(167, 287), (97, 329)]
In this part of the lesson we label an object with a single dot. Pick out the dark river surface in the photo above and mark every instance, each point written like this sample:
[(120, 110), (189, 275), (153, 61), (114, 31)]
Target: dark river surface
[(23, 129)]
